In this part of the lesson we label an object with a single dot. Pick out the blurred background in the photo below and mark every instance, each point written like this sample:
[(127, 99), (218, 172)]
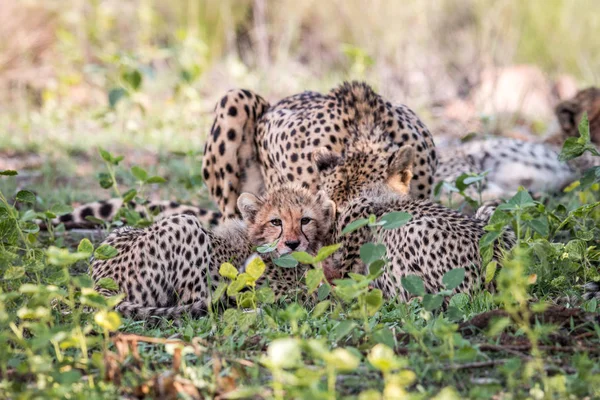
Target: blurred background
[(145, 74)]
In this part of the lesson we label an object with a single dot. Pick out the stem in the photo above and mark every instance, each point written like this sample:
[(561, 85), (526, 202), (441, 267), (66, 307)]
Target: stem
[(331, 382)]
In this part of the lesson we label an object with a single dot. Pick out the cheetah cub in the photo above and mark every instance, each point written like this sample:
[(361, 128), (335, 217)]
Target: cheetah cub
[(436, 240), (171, 267)]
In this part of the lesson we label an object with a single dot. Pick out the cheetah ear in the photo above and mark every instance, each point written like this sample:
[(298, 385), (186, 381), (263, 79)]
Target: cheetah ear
[(325, 159), (400, 169), (249, 204), (566, 113)]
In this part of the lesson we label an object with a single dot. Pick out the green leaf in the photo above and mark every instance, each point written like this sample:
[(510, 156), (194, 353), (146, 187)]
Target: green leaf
[(303, 257), (576, 249), (394, 220), (432, 301), (85, 246), (219, 291), (133, 78), (265, 295), (8, 172), (370, 252), (105, 252), (115, 95), (413, 285), (326, 251), (384, 336), (374, 301), (62, 257), (354, 225), (590, 177), (106, 156), (342, 330), (313, 279), (490, 271), (25, 196), (256, 268), (320, 308), (108, 284), (376, 268), (14, 273), (267, 248), (139, 173), (238, 284), (129, 195), (156, 179), (286, 261), (453, 278), (228, 271), (522, 199), (454, 313), (61, 209), (323, 291), (540, 225), (105, 180), (488, 239)]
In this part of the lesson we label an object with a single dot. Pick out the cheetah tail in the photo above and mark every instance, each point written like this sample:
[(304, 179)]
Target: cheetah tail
[(138, 311), (592, 291)]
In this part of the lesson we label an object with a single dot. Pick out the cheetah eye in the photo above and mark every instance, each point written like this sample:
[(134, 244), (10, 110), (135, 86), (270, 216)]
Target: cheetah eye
[(275, 222), (305, 220)]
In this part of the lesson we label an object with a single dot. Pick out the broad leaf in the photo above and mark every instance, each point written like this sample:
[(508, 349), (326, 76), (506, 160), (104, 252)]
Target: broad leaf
[(370, 252), (394, 220), (313, 279), (413, 285), (115, 95), (326, 251), (105, 252), (25, 196), (85, 246), (256, 268), (228, 271), (303, 257), (354, 225), (432, 301), (453, 278), (139, 173), (286, 261)]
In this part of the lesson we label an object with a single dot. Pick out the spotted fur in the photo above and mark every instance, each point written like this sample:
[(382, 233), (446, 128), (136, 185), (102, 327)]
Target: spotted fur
[(436, 240), (534, 165), (254, 146), (171, 267), (108, 210), (510, 163)]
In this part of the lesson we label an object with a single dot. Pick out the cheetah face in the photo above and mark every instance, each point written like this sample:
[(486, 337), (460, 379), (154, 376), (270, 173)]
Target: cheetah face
[(344, 179), (291, 216)]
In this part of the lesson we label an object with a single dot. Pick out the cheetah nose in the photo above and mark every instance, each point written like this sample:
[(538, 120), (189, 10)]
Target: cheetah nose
[(292, 244)]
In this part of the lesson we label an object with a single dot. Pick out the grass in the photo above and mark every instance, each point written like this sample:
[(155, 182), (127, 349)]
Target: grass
[(292, 348), (187, 54)]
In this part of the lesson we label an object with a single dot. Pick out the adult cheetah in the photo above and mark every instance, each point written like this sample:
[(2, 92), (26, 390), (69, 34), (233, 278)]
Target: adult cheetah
[(254, 146), (171, 267), (511, 163)]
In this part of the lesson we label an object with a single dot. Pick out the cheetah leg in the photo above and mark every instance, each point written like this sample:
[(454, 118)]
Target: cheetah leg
[(230, 158)]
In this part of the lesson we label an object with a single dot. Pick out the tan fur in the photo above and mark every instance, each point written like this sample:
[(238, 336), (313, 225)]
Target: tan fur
[(108, 210), (249, 136), (171, 267), (436, 240)]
